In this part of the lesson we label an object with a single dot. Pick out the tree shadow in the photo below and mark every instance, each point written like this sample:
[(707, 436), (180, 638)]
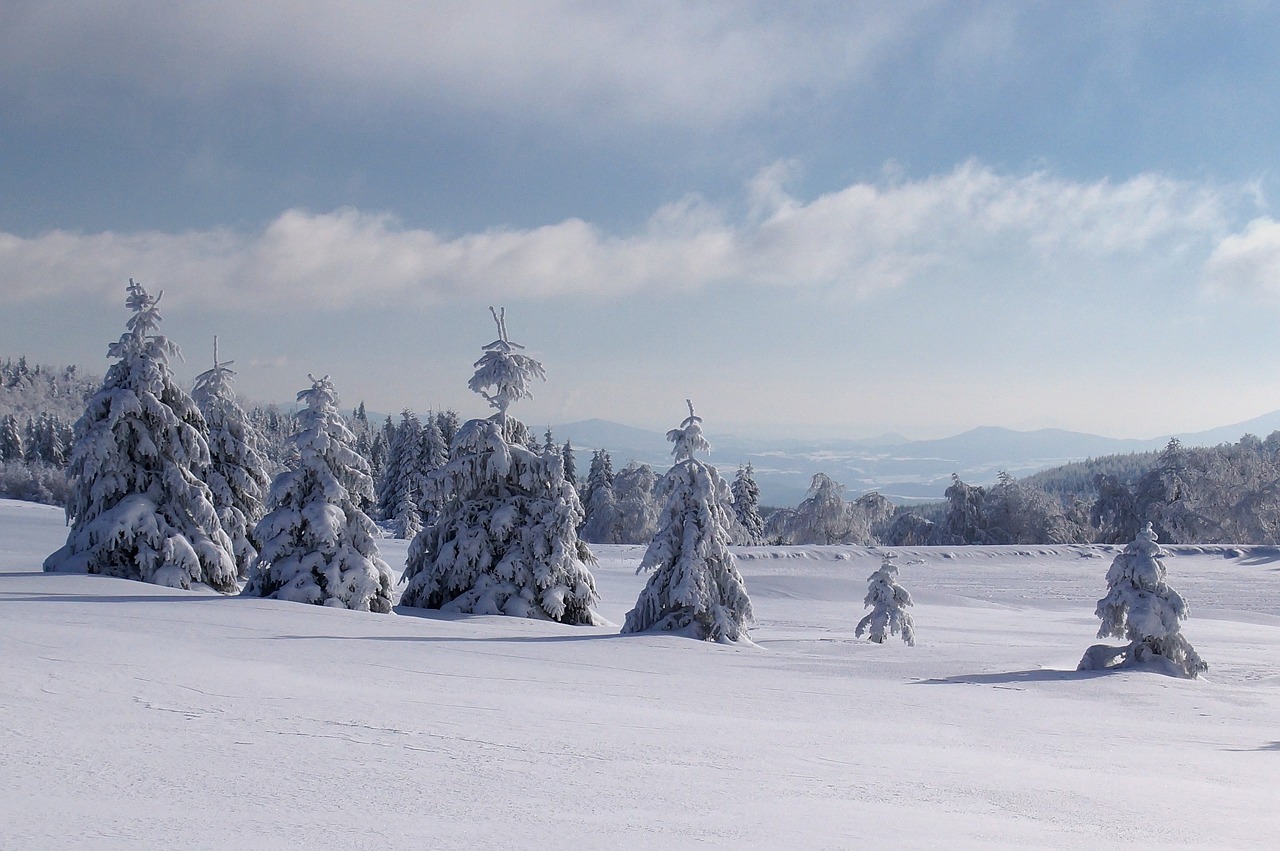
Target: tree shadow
[(453, 639), (1260, 555), (31, 597), (1039, 675), (1267, 746)]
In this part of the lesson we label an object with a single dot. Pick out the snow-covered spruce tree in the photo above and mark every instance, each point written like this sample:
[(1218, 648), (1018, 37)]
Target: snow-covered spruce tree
[(237, 474), (505, 542), (600, 524), (746, 506), (695, 589), (12, 446), (402, 464), (433, 454), (888, 602), (570, 466), (1142, 608), (408, 516), (317, 545), (138, 508)]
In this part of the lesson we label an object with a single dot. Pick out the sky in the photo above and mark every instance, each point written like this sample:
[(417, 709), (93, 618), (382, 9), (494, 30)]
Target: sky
[(817, 219)]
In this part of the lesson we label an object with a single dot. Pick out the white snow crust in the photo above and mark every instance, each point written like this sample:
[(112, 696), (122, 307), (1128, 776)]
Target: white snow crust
[(139, 716)]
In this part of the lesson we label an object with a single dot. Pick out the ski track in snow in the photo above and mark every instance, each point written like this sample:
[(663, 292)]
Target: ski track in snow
[(141, 717)]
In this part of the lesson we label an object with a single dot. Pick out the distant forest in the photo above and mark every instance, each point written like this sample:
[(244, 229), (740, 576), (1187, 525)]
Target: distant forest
[(1223, 494)]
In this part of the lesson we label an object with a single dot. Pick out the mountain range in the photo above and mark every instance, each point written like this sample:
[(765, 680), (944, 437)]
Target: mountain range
[(901, 469)]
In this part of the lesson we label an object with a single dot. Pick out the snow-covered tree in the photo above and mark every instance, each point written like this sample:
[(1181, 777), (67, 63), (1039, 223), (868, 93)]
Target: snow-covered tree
[(888, 602), (746, 506), (402, 468), (12, 446), (695, 588), (317, 545), (963, 523), (236, 475), (1141, 607), (636, 508), (823, 516), (407, 521), (505, 541), (570, 466), (433, 454), (139, 509), (599, 502)]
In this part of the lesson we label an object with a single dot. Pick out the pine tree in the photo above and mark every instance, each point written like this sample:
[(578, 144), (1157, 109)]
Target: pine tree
[(1141, 607), (408, 517), (402, 463), (506, 540), (695, 589), (237, 474), (599, 525), (317, 545), (12, 446), (746, 506), (433, 455), (570, 466), (139, 509), (888, 602)]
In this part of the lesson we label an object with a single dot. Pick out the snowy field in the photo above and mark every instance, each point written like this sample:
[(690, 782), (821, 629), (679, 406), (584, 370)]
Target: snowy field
[(137, 716)]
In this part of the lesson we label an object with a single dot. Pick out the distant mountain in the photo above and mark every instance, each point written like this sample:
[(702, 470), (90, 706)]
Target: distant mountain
[(1259, 426), (902, 469)]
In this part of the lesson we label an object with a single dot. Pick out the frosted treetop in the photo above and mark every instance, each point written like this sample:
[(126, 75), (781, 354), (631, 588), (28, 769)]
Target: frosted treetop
[(688, 438), (504, 369)]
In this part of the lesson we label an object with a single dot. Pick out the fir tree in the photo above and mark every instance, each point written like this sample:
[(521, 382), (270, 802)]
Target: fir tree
[(408, 517), (1141, 607), (237, 475), (433, 455), (402, 463), (695, 589), (888, 602), (139, 509), (506, 540), (12, 446), (317, 545), (570, 466), (746, 506), (599, 524)]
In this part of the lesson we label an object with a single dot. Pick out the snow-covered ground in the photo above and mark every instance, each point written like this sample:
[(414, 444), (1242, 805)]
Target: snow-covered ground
[(137, 716)]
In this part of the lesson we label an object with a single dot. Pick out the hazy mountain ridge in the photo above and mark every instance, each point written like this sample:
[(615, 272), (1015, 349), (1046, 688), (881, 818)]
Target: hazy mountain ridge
[(893, 465)]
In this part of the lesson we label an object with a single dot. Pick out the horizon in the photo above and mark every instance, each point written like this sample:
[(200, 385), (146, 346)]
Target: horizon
[(847, 219)]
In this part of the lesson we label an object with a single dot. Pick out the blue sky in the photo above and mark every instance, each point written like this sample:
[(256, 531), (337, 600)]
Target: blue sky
[(816, 218)]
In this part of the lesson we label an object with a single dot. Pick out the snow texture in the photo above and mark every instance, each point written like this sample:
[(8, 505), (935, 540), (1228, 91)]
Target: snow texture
[(124, 703), (139, 509), (317, 546), (1141, 607), (505, 541), (695, 589), (888, 602)]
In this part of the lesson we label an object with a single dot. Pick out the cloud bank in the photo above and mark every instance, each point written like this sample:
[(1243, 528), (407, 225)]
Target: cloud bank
[(665, 62), (852, 243)]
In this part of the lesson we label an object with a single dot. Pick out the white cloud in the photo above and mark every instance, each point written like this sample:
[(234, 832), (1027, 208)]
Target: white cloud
[(854, 242), (1247, 263), (664, 62)]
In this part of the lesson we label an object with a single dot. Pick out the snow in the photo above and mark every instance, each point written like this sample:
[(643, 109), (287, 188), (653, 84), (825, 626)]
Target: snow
[(138, 716)]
